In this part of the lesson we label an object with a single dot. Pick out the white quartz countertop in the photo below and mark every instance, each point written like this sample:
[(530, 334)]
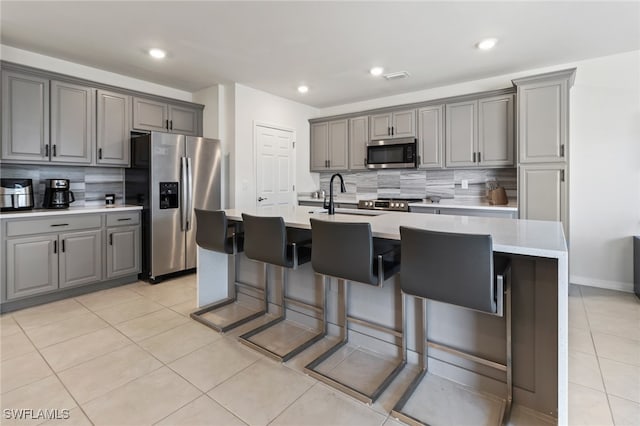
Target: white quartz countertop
[(517, 236), (446, 203), (70, 210)]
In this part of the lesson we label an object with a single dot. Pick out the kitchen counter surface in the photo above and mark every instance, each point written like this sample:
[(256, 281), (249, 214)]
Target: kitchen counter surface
[(526, 237), (446, 203), (70, 210)]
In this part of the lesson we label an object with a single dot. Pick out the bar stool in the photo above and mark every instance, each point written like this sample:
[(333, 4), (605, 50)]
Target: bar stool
[(431, 270), (267, 240), (215, 233), (347, 251)]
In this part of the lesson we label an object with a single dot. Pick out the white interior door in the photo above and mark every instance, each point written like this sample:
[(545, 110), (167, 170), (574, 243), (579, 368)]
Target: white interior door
[(274, 168)]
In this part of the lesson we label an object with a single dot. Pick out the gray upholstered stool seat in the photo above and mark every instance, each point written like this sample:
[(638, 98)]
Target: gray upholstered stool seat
[(348, 252), (267, 240), (461, 270), (215, 233)]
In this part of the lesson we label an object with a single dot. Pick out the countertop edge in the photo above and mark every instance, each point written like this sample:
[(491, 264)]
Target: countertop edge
[(70, 211)]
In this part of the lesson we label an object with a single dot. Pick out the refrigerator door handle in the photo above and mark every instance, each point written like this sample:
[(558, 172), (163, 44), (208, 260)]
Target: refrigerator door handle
[(189, 194), (185, 193)]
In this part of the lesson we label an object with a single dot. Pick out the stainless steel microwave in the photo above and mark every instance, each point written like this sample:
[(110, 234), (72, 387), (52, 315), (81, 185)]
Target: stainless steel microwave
[(399, 153)]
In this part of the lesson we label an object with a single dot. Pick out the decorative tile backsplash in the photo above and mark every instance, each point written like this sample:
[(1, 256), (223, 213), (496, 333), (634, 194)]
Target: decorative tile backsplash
[(424, 183), (88, 184)]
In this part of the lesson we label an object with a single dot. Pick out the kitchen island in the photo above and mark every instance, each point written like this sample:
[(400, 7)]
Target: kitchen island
[(539, 262)]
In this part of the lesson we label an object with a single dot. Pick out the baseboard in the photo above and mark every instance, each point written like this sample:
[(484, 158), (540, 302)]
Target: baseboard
[(609, 285)]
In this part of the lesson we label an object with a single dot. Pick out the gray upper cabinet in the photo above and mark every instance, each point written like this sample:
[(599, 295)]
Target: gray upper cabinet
[(80, 258), (114, 126), (123, 251), (319, 146), (543, 114), (393, 124), (430, 136), (150, 114), (358, 138), (31, 265), (543, 193), (72, 123), (183, 120), (25, 117), (461, 134), (495, 131), (330, 145)]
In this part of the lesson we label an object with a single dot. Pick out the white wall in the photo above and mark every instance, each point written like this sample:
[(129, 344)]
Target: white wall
[(604, 193), (252, 106), (48, 63)]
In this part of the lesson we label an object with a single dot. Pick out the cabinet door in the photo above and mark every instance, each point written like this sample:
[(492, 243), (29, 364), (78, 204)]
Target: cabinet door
[(123, 251), (543, 193), (543, 127), (72, 120), (381, 125), (150, 115), (80, 258), (114, 125), (404, 124), (339, 145), (461, 134), (32, 265), (430, 127), (25, 117), (184, 121), (495, 131), (319, 146), (358, 138)]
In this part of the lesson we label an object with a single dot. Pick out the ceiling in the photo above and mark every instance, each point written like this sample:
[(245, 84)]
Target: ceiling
[(329, 46)]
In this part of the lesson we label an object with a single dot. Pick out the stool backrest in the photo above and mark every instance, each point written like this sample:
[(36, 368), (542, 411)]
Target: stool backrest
[(265, 239), (211, 231), (343, 250), (448, 267)]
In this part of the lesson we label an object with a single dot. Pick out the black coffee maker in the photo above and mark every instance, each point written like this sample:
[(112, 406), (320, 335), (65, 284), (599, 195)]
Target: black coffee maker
[(57, 194)]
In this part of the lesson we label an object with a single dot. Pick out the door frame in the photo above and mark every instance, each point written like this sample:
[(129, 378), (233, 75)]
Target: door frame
[(292, 152)]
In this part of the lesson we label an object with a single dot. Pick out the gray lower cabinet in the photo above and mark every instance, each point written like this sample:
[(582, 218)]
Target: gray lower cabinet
[(485, 212), (80, 258), (25, 117), (114, 127), (49, 254), (31, 265), (149, 114), (72, 123), (358, 138), (542, 193), (123, 251), (430, 136)]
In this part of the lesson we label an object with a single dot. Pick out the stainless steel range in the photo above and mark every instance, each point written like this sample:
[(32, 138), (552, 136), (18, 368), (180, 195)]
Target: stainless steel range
[(389, 204)]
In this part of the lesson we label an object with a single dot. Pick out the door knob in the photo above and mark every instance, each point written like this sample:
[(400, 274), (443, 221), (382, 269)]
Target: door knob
[(261, 199)]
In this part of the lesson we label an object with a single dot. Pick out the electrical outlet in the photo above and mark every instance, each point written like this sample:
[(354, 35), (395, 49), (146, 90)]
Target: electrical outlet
[(464, 183)]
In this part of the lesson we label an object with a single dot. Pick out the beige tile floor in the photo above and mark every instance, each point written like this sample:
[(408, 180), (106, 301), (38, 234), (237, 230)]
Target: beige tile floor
[(132, 356)]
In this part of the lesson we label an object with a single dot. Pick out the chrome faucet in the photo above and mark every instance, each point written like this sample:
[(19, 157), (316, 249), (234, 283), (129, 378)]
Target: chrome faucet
[(330, 207)]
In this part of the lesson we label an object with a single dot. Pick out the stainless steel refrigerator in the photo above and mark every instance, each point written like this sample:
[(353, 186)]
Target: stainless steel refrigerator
[(170, 175)]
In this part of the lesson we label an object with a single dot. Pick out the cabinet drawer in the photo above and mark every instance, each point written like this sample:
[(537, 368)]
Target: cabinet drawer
[(123, 219), (52, 224)]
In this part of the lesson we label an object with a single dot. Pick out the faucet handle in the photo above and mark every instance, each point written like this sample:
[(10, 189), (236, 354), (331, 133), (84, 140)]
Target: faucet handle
[(325, 205)]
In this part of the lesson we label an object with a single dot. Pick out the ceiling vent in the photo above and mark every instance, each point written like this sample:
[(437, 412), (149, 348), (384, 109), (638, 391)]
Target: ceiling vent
[(396, 75)]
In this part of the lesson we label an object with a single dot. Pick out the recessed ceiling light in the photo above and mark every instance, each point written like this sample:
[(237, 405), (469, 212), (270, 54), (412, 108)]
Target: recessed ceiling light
[(303, 89), (487, 43), (376, 71), (157, 53)]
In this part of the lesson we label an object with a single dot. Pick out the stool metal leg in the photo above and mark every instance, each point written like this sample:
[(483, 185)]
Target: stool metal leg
[(246, 338), (233, 298), (343, 320)]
